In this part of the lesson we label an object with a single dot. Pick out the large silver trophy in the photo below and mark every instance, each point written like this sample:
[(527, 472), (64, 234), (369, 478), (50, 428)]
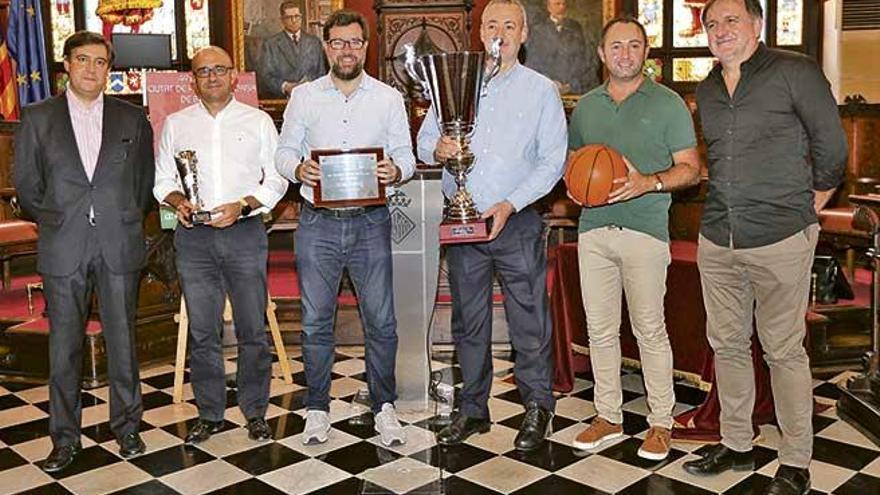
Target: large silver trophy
[(454, 83), (188, 170)]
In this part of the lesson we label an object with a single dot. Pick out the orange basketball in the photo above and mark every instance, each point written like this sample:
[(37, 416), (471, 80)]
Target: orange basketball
[(591, 172)]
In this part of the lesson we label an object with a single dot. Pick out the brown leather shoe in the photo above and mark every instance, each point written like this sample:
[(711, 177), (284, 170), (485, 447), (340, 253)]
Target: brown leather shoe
[(599, 432), (656, 444)]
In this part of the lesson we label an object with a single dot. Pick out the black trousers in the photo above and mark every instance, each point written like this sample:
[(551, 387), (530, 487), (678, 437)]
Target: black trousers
[(518, 256), (67, 300), (211, 263)]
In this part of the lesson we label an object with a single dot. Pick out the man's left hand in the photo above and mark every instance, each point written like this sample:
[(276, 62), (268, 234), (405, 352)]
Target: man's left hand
[(636, 184), (387, 172), (499, 212), (225, 215)]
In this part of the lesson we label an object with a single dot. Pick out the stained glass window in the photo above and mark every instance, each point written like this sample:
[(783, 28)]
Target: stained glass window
[(198, 33), (63, 26), (654, 69), (687, 29), (789, 22), (693, 69), (651, 16), (161, 22)]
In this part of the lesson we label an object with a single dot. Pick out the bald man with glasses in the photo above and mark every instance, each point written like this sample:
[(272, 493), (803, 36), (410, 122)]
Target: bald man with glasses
[(235, 146)]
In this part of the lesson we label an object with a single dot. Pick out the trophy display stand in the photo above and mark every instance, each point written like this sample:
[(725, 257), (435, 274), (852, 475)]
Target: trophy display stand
[(416, 212), (859, 402)]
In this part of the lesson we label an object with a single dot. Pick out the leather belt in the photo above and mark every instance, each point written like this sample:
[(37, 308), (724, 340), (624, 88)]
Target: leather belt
[(343, 212)]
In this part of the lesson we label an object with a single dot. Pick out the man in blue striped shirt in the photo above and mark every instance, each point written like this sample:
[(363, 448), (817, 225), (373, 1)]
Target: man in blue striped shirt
[(520, 144)]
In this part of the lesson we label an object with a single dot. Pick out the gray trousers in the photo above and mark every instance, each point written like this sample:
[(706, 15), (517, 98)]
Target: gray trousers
[(68, 300), (770, 283), (213, 263), (517, 255)]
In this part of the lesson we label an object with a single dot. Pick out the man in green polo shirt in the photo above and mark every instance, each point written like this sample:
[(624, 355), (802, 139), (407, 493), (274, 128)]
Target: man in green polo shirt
[(625, 244)]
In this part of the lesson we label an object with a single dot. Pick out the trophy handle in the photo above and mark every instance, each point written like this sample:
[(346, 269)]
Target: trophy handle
[(491, 72), (410, 65)]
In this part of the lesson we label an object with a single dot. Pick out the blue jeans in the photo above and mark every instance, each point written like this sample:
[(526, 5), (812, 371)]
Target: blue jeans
[(325, 246)]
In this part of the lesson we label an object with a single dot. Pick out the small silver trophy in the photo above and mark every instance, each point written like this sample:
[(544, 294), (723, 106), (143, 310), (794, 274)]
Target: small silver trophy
[(454, 83), (188, 170)]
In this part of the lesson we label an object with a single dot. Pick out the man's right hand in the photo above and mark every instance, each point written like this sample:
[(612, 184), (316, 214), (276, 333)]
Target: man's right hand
[(308, 172), (287, 87), (446, 149)]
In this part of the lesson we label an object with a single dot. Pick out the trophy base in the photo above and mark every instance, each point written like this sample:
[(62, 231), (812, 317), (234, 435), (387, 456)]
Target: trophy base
[(456, 232), (200, 217)]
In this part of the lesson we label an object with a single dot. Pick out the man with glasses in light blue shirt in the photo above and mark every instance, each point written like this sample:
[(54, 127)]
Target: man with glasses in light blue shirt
[(520, 146), (346, 109)]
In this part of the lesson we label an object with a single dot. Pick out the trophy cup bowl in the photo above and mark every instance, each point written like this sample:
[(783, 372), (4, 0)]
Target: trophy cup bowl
[(188, 171), (454, 83)]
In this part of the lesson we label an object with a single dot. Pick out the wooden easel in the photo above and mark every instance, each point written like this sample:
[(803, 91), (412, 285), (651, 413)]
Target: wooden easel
[(183, 330)]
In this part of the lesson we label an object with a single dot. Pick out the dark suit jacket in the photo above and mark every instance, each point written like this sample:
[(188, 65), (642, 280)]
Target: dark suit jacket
[(563, 55), (54, 190), (283, 60)]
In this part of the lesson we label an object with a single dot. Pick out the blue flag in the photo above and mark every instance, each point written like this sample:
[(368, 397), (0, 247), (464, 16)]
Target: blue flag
[(27, 46)]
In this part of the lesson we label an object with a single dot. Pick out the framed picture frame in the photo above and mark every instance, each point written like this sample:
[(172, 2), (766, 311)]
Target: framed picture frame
[(257, 24), (348, 178), (566, 50)]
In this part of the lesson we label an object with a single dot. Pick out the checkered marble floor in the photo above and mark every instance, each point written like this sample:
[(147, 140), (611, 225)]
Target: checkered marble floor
[(353, 461)]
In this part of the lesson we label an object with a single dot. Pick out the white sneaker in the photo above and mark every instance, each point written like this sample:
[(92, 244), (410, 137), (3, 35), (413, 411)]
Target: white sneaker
[(388, 427), (317, 427)]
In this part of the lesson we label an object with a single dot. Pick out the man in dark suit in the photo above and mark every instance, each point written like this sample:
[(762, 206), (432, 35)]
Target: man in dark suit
[(84, 172), (291, 56)]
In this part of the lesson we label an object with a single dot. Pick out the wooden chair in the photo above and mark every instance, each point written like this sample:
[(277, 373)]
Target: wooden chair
[(182, 333)]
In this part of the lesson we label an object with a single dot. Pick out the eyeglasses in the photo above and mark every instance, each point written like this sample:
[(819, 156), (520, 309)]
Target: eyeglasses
[(339, 44), (217, 70)]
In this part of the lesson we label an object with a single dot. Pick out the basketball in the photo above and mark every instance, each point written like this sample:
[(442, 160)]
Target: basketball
[(590, 174)]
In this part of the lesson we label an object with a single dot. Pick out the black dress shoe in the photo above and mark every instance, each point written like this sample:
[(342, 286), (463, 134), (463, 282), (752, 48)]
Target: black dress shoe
[(61, 457), (202, 431), (131, 445), (536, 426), (789, 481), (461, 428), (718, 459), (258, 429)]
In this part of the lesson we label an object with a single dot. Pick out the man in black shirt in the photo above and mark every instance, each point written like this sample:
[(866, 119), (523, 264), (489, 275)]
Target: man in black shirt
[(776, 153)]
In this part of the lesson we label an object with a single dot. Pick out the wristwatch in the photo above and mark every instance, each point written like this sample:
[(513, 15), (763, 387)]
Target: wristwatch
[(659, 185), (245, 207)]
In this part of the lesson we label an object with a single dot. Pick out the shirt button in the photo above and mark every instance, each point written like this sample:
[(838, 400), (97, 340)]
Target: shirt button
[(728, 157), (729, 132), (730, 106), (345, 121)]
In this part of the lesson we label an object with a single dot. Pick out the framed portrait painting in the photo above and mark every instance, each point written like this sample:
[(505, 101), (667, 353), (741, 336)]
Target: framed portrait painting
[(563, 36), (280, 41)]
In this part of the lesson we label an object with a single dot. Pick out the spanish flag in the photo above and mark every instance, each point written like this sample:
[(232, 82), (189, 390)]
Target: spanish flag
[(8, 88)]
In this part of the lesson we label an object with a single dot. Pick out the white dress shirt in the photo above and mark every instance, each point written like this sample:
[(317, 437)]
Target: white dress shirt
[(319, 116), (87, 120), (235, 152)]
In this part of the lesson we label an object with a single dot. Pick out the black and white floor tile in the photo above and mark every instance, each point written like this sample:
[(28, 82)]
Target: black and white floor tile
[(354, 462)]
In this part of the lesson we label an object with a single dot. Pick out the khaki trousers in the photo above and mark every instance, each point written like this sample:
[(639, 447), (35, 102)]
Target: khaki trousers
[(770, 283), (612, 259)]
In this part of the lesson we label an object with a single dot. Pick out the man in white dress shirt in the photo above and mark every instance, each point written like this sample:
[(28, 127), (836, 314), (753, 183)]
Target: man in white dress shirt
[(343, 110), (235, 146)]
